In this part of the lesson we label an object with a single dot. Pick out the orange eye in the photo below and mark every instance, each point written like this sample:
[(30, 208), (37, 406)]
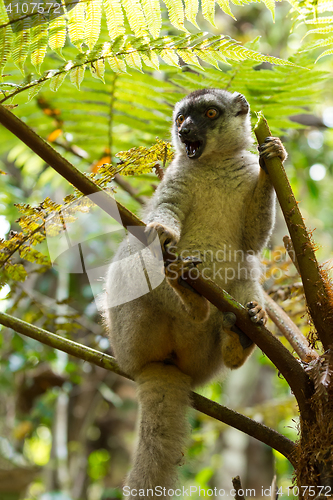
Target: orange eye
[(180, 120), (211, 113)]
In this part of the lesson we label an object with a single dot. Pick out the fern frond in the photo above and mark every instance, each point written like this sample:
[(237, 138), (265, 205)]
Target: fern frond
[(76, 25), (152, 11), (114, 18), (76, 75), (132, 57), (7, 38), (93, 22), (319, 20), (327, 52), (21, 42), (323, 42), (57, 34), (225, 6), (33, 91), (327, 29), (57, 80), (208, 11), (176, 13), (135, 17), (39, 39), (191, 11), (97, 69)]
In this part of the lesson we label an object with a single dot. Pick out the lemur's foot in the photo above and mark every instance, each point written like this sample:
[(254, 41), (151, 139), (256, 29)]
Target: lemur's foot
[(175, 269), (166, 235), (257, 313), (271, 148)]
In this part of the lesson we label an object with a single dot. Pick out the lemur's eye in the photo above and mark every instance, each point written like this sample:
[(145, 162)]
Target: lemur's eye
[(180, 120), (211, 113)]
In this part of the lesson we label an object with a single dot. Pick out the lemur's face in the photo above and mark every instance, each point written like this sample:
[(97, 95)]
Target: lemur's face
[(204, 119)]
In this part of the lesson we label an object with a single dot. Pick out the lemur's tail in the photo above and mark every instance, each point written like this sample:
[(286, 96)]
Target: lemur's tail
[(164, 395)]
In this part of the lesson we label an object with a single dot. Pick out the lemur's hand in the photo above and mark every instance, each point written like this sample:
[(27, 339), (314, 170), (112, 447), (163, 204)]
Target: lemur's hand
[(271, 148), (166, 235)]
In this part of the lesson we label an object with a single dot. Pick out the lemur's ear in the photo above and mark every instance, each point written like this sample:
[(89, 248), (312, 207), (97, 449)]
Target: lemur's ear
[(241, 105)]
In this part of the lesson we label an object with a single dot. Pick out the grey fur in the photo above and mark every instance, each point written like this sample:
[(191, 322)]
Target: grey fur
[(217, 202)]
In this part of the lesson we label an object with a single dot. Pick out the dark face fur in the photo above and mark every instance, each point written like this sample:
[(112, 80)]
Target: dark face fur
[(203, 114)]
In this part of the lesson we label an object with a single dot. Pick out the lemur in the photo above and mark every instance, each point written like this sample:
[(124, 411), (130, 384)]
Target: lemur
[(215, 201)]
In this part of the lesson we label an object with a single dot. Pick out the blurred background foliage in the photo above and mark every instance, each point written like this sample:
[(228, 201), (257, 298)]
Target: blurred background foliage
[(66, 427)]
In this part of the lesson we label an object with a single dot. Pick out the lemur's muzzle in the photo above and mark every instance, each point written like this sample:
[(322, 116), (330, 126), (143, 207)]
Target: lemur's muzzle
[(193, 145)]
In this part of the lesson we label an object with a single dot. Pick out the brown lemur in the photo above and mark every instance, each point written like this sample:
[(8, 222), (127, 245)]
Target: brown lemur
[(216, 203)]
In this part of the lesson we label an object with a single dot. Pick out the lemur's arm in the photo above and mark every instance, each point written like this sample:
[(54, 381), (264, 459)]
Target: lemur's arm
[(260, 216), (170, 206)]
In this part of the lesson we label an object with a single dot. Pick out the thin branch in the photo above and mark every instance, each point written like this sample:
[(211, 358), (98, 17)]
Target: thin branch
[(236, 482), (296, 377), (292, 333), (200, 403), (288, 245), (317, 290)]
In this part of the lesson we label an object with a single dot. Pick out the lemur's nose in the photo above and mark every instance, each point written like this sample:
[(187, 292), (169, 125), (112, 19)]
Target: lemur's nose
[(184, 131)]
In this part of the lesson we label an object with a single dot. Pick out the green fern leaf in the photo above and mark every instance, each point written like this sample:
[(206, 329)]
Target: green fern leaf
[(191, 11), (208, 11), (116, 64), (76, 25), (97, 69), (132, 58), (169, 56), (327, 52), (327, 29), (320, 20), (93, 22), (6, 38), (323, 42), (135, 17), (150, 59), (57, 34), (21, 43), (188, 57), (5, 47), (176, 13), (35, 90), (114, 18), (57, 80), (270, 4), (39, 45), (152, 11), (225, 6)]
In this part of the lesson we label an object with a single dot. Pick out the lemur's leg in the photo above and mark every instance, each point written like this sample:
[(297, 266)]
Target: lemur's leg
[(195, 304)]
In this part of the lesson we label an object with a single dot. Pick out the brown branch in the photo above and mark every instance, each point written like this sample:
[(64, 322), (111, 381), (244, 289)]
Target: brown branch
[(288, 245), (292, 333), (317, 290), (296, 377), (236, 482), (200, 403)]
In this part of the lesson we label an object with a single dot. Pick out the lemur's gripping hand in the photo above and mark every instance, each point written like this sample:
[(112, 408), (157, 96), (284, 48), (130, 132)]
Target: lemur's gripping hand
[(257, 313), (271, 148), (166, 235)]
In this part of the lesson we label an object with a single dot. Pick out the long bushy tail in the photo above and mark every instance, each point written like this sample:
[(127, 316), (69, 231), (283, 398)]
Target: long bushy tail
[(164, 395)]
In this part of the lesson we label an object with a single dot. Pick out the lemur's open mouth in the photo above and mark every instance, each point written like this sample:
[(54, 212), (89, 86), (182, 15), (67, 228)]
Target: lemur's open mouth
[(193, 148)]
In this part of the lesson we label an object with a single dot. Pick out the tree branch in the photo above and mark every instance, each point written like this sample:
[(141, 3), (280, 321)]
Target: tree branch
[(236, 482), (200, 403), (288, 328), (318, 293), (296, 377)]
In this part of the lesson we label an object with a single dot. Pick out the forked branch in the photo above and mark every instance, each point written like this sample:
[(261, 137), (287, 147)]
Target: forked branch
[(317, 289), (210, 408)]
